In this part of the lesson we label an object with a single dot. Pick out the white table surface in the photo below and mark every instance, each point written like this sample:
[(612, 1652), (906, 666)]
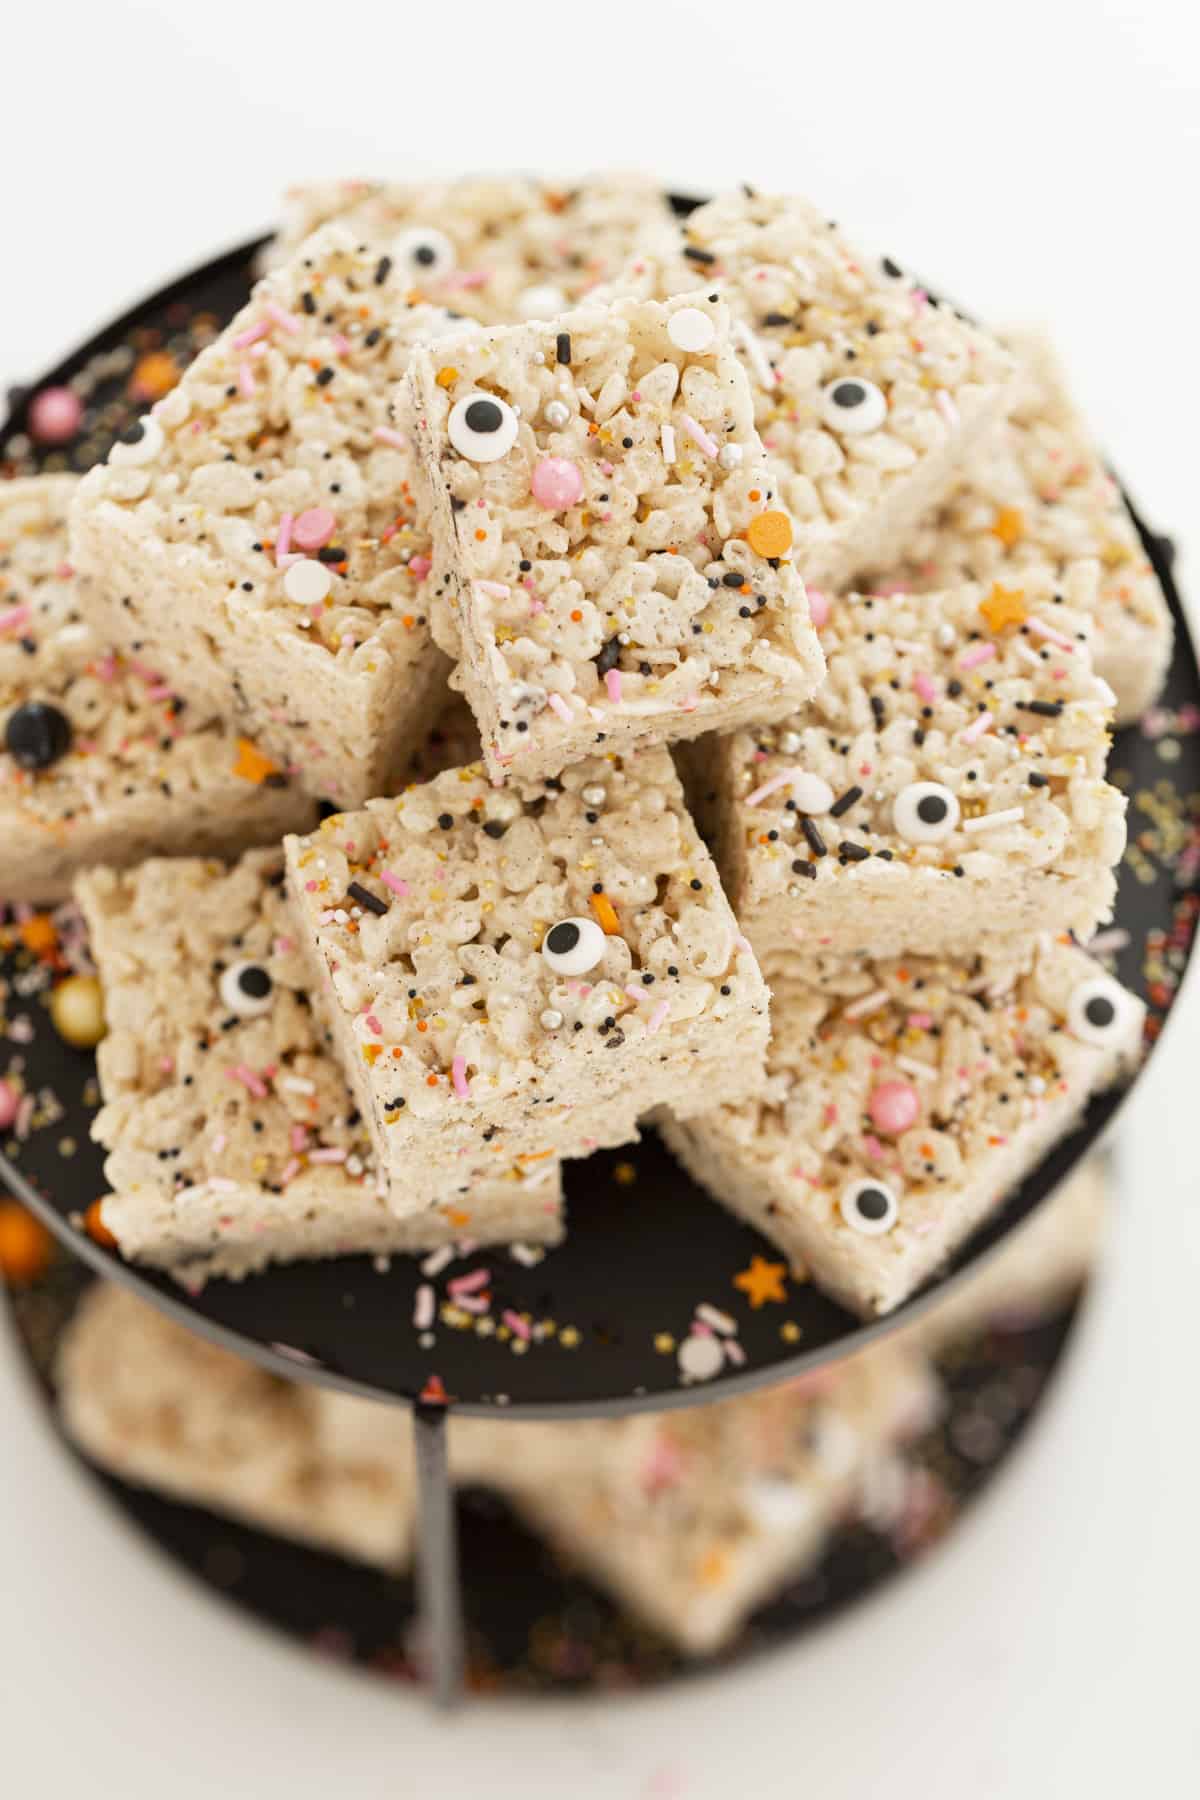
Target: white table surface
[(1038, 160)]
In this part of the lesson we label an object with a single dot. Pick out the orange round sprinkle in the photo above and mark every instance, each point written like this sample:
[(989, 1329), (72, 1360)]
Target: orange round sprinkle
[(153, 376), (26, 1247), (97, 1230), (38, 934), (770, 534), (431, 1081), (480, 534)]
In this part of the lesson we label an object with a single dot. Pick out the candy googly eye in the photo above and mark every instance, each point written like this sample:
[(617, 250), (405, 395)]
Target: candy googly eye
[(247, 989), (1099, 1011), (424, 253), (870, 1207), (925, 812), (37, 735), (140, 444), (573, 946), (853, 406), (482, 428)]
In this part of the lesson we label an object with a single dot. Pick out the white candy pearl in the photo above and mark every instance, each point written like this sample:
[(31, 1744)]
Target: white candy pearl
[(551, 1019), (556, 413), (811, 794), (700, 1358), (691, 330), (307, 583), (542, 301), (730, 456)]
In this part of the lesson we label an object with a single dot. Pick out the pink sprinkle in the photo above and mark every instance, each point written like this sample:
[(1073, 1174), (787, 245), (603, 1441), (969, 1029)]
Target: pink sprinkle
[(299, 1137), (818, 608), (254, 1084), (314, 527), (458, 1076), (394, 882), (469, 1283), (872, 1145), (341, 344), (372, 1024), (920, 1021), (945, 405), (385, 435), (658, 1017), (55, 415), (494, 590), (290, 1171), (978, 653), (419, 567), (558, 705), (689, 703), (976, 728), (557, 483), (612, 682), (894, 1106), (924, 686), (285, 320), (470, 1303), (219, 1142), (310, 887), (15, 617), (1040, 629), (333, 1154), (471, 278), (769, 787), (516, 1324), (10, 1100), (283, 540), (251, 335), (699, 436), (245, 377)]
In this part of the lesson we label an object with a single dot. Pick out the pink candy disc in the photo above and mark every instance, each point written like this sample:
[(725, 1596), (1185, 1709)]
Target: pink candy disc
[(557, 483), (893, 1107), (313, 528), (55, 415), (9, 1102)]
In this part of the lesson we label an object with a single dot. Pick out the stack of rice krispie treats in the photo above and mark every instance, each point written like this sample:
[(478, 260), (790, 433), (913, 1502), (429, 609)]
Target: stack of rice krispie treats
[(493, 505)]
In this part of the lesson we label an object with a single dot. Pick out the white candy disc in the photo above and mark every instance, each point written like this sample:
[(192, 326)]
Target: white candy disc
[(307, 583), (691, 330)]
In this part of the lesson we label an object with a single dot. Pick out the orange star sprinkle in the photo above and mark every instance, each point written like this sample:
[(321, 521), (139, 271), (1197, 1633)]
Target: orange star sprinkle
[(770, 534), (762, 1281), (1004, 606), (252, 765), (1008, 525)]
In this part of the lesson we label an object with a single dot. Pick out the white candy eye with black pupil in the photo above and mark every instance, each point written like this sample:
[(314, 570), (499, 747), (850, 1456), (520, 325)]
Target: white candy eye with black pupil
[(925, 812), (852, 406), (423, 253), (482, 428), (573, 946), (140, 444), (870, 1207), (1099, 1011), (247, 989)]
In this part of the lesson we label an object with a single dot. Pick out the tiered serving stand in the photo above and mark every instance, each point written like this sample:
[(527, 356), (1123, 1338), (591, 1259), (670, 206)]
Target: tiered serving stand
[(610, 1307)]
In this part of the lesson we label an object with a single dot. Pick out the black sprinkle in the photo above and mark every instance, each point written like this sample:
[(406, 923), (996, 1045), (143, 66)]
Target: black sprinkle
[(446, 821), (1036, 780), (308, 303), (800, 867), (878, 708), (383, 269), (853, 852), (366, 898), (733, 579), (562, 348), (816, 842), (1045, 709), (609, 656), (494, 828), (845, 801), (696, 255)]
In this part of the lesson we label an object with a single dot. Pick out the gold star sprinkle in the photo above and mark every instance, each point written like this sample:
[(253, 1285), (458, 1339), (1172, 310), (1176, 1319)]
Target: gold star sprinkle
[(762, 1281), (1008, 525), (1004, 606)]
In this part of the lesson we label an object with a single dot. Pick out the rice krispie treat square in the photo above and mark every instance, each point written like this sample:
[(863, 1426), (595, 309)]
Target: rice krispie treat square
[(1037, 497), (691, 1519), (499, 248), (611, 558), (159, 1406), (99, 760), (868, 394), (904, 1100), (947, 781), (524, 971), (232, 1138), (255, 535)]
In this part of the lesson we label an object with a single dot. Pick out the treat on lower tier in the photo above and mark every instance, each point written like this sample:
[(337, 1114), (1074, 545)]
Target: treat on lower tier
[(1038, 497), (497, 248), (1035, 1271), (232, 1138), (518, 973), (612, 562), (946, 782), (904, 1100), (99, 760), (160, 1407), (255, 536), (693, 1518), (868, 394)]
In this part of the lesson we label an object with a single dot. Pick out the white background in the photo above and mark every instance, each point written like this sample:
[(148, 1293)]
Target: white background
[(1038, 161)]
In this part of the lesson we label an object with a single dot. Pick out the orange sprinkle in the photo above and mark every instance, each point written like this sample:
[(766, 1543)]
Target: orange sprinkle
[(577, 615), (153, 376), (97, 1230), (755, 494), (480, 534), (38, 934), (26, 1247), (1008, 525), (1004, 606), (606, 914), (446, 377), (431, 1081), (371, 1052), (252, 765), (770, 534)]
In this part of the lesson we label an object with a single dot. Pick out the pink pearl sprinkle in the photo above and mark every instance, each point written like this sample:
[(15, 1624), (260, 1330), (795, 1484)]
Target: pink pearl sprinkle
[(894, 1106), (55, 415), (313, 528), (818, 608), (10, 1100), (557, 483), (419, 567)]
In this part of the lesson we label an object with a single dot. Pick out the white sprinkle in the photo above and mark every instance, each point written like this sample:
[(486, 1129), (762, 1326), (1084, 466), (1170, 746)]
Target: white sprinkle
[(307, 583), (551, 1019), (556, 413), (434, 1264), (691, 330), (528, 1255), (1027, 655), (755, 355), (946, 636), (423, 1311), (296, 1084), (910, 1065), (720, 1321), (870, 1003), (668, 443), (1008, 815), (1104, 941)]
